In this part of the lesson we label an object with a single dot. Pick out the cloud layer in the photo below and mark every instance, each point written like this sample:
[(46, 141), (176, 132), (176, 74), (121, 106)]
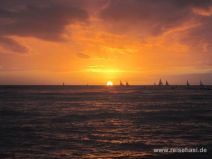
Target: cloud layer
[(156, 17), (44, 19), (155, 37)]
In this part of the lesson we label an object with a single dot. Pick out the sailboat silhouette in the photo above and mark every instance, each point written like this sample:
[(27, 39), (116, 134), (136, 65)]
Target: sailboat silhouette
[(187, 84), (201, 83), (160, 83), (167, 84), (121, 84)]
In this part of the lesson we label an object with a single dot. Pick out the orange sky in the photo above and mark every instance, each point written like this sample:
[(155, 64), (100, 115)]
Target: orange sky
[(114, 41)]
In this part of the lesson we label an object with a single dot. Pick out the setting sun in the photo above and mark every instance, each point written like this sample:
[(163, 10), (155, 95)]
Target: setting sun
[(109, 83)]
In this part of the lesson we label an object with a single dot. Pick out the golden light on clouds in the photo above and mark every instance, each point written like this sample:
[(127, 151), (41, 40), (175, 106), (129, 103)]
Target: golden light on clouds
[(93, 43)]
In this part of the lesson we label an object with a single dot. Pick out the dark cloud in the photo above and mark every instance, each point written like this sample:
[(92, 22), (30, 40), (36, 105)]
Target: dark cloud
[(83, 55), (44, 19), (151, 16), (200, 36), (12, 45)]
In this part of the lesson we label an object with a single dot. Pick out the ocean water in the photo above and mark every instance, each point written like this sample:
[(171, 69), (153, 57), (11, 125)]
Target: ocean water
[(56, 122)]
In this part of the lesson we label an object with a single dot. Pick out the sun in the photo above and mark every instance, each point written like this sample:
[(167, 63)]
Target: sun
[(109, 83)]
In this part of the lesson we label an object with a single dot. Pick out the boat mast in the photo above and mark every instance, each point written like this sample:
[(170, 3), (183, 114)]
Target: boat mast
[(201, 84), (121, 84), (188, 84)]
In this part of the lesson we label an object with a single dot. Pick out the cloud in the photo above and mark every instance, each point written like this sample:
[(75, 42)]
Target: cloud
[(12, 45), (43, 19), (152, 17), (149, 19), (203, 11), (47, 19), (82, 55)]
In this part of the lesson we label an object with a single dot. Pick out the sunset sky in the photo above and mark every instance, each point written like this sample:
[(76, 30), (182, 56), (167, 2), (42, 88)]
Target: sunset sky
[(93, 41)]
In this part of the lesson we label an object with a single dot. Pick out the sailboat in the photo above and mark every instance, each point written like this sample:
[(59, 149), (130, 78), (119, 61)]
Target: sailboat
[(201, 83), (187, 84), (160, 83), (167, 84), (121, 84)]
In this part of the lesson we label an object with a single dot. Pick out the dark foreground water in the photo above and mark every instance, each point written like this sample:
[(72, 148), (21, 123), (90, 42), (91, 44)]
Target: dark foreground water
[(55, 122)]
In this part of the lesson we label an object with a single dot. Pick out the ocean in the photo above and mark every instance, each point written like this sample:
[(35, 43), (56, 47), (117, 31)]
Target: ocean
[(65, 122)]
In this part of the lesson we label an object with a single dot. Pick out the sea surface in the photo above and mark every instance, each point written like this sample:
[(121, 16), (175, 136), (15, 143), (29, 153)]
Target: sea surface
[(65, 122)]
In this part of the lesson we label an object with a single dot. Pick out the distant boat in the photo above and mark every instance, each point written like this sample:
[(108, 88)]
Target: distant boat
[(63, 84), (167, 84), (127, 84), (160, 83), (201, 83), (121, 84), (187, 84)]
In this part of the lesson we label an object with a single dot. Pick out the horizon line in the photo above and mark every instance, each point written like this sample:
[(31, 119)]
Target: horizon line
[(100, 85)]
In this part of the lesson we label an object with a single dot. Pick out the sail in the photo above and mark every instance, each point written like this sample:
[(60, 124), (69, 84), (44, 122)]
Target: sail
[(160, 83), (201, 84), (121, 84), (188, 84)]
